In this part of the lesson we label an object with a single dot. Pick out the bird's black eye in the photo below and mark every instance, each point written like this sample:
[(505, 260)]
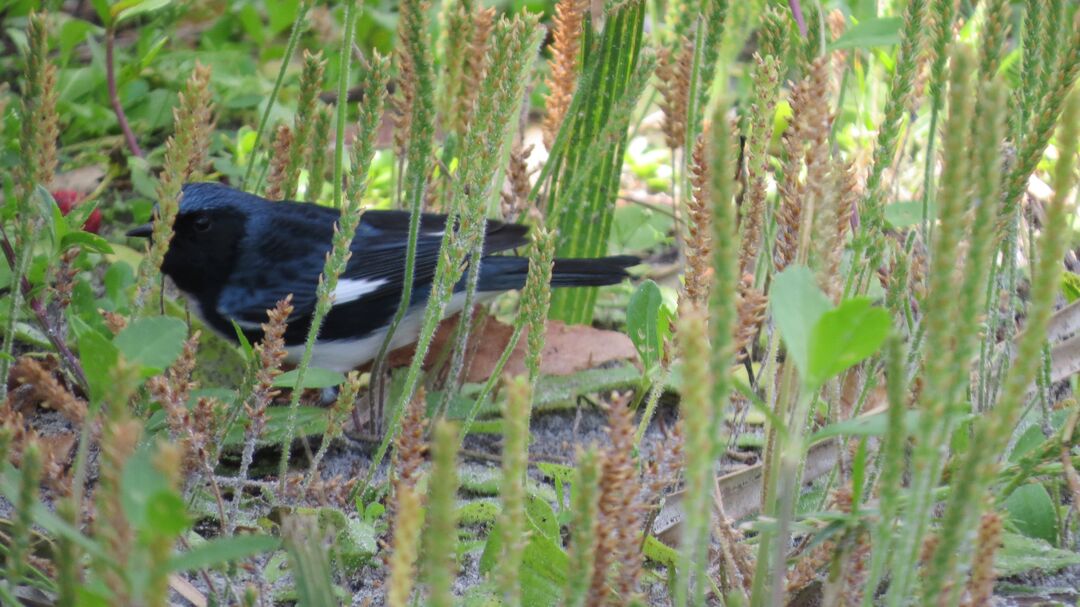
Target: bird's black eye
[(201, 223)]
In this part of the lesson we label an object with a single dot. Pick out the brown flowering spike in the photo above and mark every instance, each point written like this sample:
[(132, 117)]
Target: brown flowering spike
[(699, 226), (565, 51), (766, 85), (621, 515), (835, 224), (405, 96), (981, 583), (41, 126), (475, 67), (196, 100), (305, 122), (815, 118), (517, 174), (751, 307), (789, 215), (111, 526), (411, 446), (279, 160), (674, 74), (65, 276), (270, 352), (837, 23), (115, 322), (173, 388), (48, 390)]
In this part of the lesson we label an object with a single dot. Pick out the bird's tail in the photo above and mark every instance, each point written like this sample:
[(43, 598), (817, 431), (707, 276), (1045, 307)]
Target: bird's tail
[(502, 273)]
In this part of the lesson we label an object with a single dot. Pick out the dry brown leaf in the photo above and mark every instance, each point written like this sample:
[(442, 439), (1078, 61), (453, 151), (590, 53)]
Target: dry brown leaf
[(567, 349)]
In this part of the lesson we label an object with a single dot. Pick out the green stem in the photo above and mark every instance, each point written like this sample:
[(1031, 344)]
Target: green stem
[(290, 48)]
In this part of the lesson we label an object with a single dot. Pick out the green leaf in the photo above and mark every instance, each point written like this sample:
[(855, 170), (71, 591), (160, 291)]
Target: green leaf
[(101, 7), (1031, 438), (543, 566), (117, 279), (153, 343), (1019, 554), (880, 31), (1070, 286), (869, 425), (1031, 509), (844, 337), (797, 305), (145, 495), (129, 9), (223, 550), (542, 517), (314, 378), (86, 240), (647, 323), (166, 515), (309, 422), (478, 512), (98, 356)]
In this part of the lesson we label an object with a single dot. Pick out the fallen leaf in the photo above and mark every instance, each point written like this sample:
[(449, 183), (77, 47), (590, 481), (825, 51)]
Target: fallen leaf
[(568, 349)]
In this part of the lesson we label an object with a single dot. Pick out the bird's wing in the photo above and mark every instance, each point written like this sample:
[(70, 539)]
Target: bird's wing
[(375, 270)]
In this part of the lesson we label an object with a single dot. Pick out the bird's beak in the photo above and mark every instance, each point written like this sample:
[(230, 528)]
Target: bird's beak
[(142, 231)]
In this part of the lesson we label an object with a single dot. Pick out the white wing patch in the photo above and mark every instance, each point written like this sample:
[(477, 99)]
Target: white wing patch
[(350, 289)]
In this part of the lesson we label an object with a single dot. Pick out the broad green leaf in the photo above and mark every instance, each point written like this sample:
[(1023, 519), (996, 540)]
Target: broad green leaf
[(145, 495), (542, 517), (1020, 554), (310, 421), (117, 279), (646, 323), (221, 550), (1031, 438), (314, 378), (844, 337), (1031, 510), (543, 566), (98, 356), (880, 31), (153, 343), (478, 512), (797, 304)]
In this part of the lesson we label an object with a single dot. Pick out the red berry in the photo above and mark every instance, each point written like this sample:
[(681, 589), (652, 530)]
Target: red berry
[(93, 222), (66, 200), (69, 199)]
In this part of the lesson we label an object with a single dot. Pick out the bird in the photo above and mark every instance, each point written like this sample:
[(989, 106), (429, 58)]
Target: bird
[(234, 255)]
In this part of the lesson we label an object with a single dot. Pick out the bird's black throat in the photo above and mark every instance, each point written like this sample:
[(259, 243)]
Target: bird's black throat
[(204, 251)]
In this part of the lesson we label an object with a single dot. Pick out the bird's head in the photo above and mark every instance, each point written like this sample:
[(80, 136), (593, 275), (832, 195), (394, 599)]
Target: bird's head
[(210, 224)]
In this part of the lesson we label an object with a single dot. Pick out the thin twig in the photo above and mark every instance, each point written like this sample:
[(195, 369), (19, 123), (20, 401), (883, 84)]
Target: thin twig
[(42, 317), (114, 97)]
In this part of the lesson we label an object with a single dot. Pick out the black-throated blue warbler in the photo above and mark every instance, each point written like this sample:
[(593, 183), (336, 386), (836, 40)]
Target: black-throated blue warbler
[(235, 255)]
